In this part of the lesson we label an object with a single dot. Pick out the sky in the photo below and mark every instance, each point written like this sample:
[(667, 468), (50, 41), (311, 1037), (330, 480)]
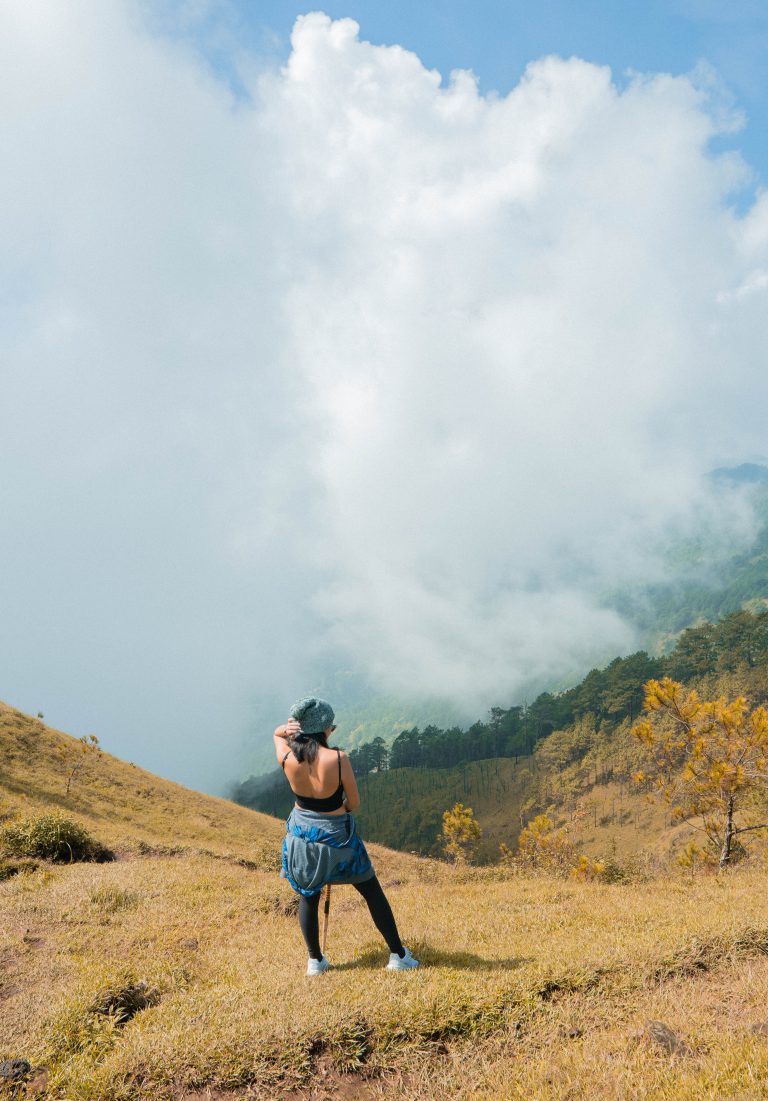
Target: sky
[(497, 39), (320, 352)]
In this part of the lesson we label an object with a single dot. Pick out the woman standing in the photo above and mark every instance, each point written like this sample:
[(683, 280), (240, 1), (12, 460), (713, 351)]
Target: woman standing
[(322, 844)]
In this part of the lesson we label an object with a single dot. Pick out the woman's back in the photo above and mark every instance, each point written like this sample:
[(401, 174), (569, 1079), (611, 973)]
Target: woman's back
[(318, 781)]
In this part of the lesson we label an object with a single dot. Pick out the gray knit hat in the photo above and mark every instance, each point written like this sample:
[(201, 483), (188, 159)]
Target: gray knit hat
[(314, 715)]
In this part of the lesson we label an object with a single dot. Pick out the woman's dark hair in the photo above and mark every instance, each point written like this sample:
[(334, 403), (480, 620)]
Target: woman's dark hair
[(304, 746)]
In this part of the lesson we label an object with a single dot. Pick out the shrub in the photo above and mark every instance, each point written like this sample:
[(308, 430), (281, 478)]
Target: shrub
[(693, 858), (542, 847), (51, 837), (602, 871)]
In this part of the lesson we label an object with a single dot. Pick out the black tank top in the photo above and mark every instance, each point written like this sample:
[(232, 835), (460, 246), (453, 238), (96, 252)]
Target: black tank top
[(330, 802)]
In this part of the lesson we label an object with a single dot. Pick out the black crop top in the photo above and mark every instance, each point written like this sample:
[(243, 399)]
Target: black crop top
[(330, 802)]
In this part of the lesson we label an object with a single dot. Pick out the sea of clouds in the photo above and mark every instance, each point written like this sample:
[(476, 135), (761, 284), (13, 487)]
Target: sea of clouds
[(351, 367)]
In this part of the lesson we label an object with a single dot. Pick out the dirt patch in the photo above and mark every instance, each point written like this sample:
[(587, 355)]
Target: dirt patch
[(327, 1084), (335, 1087), (37, 1084), (340, 1090), (213, 1095), (8, 962)]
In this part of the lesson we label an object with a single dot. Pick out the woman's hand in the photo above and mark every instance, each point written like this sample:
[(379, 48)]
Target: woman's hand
[(289, 729)]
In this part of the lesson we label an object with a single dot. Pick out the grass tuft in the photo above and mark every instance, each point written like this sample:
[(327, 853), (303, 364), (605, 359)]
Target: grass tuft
[(88, 1024), (112, 899), (279, 902), (124, 999), (10, 868), (697, 954)]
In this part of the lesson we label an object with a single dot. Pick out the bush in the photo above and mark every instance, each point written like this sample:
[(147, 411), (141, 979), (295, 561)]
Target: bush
[(601, 871), (543, 848), (52, 837)]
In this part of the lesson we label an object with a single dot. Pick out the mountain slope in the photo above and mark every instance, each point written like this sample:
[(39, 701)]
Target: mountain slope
[(119, 802)]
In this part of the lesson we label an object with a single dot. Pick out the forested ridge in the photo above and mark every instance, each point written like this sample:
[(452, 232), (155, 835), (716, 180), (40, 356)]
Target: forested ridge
[(522, 759)]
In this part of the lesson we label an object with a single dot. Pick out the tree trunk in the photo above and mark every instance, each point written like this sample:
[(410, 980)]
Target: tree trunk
[(725, 855)]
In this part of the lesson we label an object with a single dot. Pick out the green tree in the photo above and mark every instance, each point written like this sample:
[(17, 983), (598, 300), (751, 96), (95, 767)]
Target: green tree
[(695, 654), (379, 754), (406, 749), (742, 639)]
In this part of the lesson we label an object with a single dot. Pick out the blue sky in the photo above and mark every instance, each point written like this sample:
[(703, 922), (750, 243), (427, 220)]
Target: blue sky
[(497, 39)]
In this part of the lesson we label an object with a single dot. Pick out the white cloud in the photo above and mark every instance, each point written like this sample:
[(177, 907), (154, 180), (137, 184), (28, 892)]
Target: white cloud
[(362, 369)]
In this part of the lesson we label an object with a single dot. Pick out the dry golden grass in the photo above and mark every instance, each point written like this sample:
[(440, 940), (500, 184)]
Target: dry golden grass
[(589, 1045), (233, 1008), (123, 805), (171, 976)]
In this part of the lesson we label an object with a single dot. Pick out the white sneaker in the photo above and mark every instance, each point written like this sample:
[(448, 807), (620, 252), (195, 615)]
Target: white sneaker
[(316, 967), (402, 963)]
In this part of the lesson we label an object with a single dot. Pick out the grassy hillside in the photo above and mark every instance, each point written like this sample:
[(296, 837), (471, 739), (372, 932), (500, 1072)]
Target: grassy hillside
[(580, 776), (176, 971), (125, 806)]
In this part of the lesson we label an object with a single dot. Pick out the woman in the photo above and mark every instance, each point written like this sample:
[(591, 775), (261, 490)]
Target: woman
[(321, 843)]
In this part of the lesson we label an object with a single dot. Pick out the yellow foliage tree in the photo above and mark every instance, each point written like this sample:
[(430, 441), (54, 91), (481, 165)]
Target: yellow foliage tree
[(461, 833), (543, 847), (707, 758), (587, 869)]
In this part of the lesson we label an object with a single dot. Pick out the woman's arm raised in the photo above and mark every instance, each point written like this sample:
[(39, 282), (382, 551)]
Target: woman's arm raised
[(287, 730)]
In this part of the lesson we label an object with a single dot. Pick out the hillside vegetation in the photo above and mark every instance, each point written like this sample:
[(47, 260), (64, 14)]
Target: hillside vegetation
[(710, 590), (176, 970), (571, 755)]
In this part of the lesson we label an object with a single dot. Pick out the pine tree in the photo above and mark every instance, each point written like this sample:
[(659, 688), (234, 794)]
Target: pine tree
[(461, 833), (708, 759)]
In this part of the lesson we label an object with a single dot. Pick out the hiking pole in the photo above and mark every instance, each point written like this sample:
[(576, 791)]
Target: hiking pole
[(326, 912)]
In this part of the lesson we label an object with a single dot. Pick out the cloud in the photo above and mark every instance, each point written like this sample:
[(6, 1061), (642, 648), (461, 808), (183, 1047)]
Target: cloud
[(356, 368)]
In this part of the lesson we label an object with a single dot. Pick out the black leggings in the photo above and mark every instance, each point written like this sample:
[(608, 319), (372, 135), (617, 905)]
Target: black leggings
[(381, 912)]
